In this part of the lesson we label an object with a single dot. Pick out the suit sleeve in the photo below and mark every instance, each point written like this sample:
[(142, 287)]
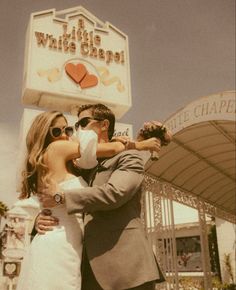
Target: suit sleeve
[(122, 185)]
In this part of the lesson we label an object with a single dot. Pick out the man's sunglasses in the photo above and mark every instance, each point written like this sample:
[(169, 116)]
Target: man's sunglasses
[(57, 131), (85, 121)]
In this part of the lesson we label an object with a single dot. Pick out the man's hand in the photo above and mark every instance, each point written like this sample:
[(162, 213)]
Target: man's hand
[(46, 200), (45, 223), (46, 192)]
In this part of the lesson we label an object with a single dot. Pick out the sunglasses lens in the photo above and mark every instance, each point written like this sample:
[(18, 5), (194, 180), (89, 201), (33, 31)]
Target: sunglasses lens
[(69, 131), (83, 122), (56, 132)]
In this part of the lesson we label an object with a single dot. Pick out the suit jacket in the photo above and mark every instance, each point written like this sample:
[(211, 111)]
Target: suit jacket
[(116, 244)]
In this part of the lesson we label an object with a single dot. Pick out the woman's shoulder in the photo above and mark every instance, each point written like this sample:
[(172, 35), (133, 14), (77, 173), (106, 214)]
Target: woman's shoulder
[(57, 144), (66, 149), (60, 145), (55, 148)]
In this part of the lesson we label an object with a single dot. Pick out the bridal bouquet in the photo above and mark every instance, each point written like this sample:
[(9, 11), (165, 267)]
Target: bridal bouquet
[(155, 129)]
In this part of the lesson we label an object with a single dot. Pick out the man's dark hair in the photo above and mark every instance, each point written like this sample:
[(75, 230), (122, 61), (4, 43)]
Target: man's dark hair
[(101, 112)]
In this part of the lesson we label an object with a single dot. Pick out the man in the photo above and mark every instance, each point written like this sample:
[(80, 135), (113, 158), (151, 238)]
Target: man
[(117, 254)]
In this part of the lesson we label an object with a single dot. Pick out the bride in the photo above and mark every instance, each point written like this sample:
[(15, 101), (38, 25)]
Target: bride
[(53, 260)]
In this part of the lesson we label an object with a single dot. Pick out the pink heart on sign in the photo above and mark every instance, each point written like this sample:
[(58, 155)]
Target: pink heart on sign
[(76, 72), (89, 81)]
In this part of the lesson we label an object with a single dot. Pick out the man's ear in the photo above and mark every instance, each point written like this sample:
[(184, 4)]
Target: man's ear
[(105, 125)]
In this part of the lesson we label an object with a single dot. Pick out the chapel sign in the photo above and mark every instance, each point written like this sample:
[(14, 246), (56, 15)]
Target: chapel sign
[(73, 58), (219, 106)]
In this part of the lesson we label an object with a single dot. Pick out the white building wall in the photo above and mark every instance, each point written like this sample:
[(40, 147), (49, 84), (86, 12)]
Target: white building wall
[(226, 236)]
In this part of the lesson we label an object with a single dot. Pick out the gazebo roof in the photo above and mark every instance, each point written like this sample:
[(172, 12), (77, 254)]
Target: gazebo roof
[(201, 158)]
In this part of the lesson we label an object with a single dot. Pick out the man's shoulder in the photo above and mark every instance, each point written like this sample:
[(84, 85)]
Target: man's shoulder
[(129, 153), (133, 155)]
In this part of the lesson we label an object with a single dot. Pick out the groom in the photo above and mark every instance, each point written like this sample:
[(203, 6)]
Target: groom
[(117, 254)]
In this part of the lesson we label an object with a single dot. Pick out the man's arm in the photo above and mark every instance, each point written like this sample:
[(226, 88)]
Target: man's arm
[(121, 186)]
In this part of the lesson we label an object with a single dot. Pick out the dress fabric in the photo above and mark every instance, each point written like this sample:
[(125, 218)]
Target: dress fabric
[(53, 260)]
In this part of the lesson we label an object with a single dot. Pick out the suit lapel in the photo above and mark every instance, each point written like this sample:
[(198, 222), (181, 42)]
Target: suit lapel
[(103, 165), (92, 175)]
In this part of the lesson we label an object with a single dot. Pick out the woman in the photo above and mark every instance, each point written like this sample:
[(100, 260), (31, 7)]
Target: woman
[(53, 260)]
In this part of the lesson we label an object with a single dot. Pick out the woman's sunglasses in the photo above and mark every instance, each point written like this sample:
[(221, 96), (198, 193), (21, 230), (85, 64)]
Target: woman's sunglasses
[(57, 131), (85, 121)]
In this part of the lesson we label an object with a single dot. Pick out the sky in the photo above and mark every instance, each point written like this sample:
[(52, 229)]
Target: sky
[(180, 50)]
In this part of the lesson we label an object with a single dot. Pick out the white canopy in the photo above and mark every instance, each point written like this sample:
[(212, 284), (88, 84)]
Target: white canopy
[(201, 158)]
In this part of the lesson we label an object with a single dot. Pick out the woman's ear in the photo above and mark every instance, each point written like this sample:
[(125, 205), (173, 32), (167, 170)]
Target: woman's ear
[(105, 125)]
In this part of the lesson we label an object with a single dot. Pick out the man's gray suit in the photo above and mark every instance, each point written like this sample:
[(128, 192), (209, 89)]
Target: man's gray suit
[(115, 241)]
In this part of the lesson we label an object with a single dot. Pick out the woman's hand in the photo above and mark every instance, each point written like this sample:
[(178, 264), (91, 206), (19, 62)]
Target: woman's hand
[(155, 129), (152, 144)]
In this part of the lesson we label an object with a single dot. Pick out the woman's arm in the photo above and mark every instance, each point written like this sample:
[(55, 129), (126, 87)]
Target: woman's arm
[(109, 149), (65, 149), (69, 150), (112, 148)]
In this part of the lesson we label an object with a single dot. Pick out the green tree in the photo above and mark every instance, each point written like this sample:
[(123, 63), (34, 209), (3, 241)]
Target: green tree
[(213, 249), (3, 209)]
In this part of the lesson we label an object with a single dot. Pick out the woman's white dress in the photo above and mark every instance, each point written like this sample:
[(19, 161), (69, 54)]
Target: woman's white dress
[(53, 260)]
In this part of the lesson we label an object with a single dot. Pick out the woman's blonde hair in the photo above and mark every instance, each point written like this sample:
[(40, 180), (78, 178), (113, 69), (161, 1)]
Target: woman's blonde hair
[(37, 140)]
